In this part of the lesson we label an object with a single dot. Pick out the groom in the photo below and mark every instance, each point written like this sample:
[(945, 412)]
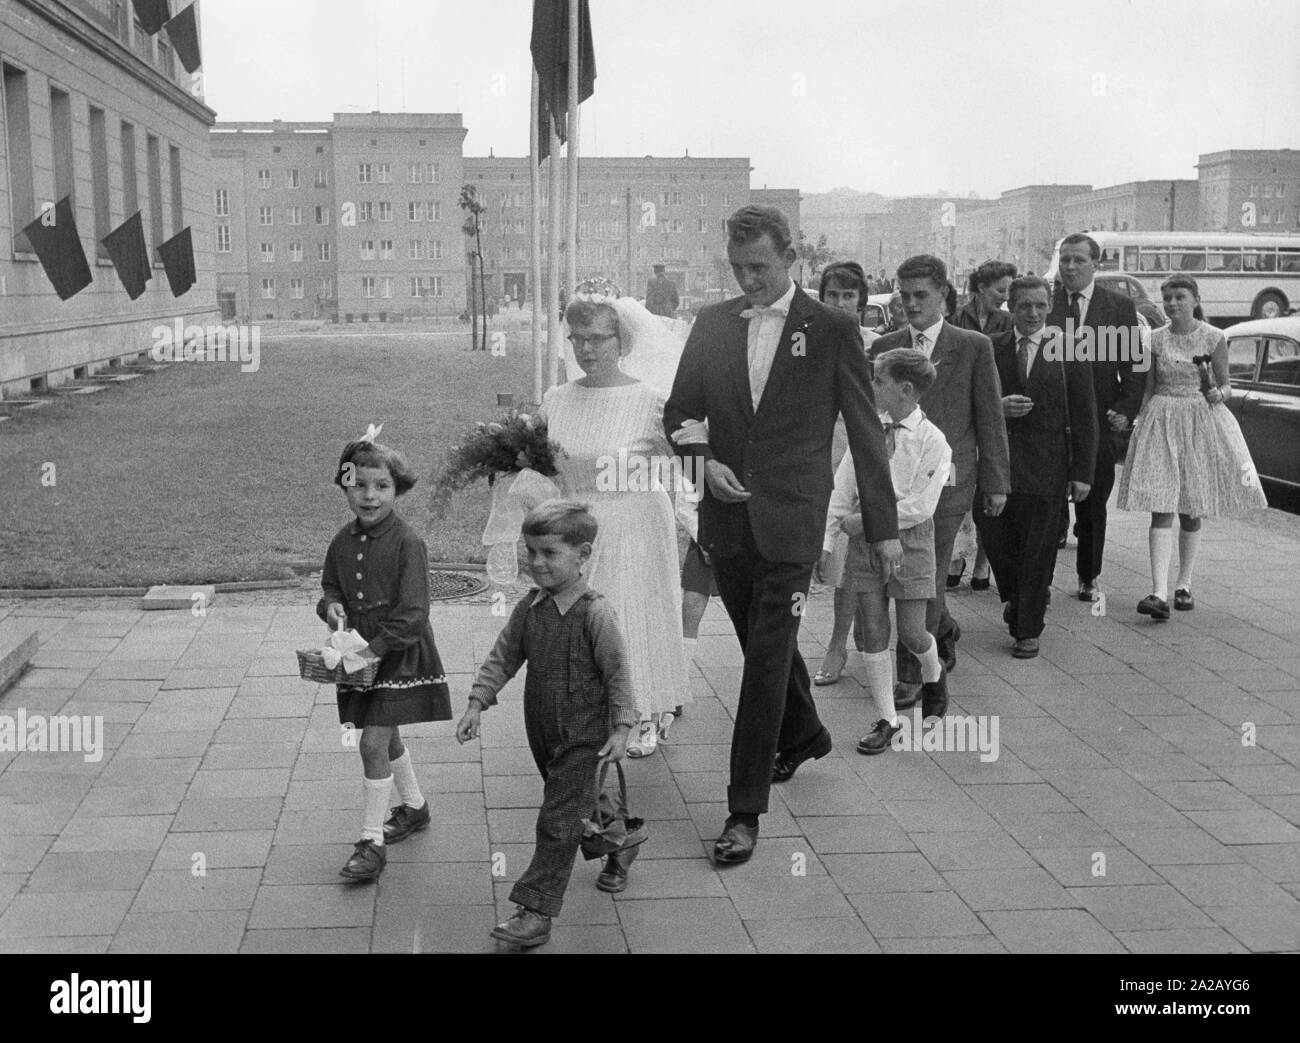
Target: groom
[(770, 372)]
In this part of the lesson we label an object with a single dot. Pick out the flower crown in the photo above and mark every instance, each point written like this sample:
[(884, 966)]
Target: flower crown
[(599, 290)]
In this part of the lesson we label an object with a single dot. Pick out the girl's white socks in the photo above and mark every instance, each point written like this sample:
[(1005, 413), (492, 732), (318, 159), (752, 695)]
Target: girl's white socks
[(1187, 544), (376, 809), (930, 670), (404, 778), (1161, 543)]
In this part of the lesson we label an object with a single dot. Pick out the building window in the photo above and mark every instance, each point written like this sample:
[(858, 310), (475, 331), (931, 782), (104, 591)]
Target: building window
[(431, 172), (153, 157), (322, 179), (268, 253), (385, 249), (323, 251), (295, 289), (435, 249), (265, 216), (19, 156), (223, 202), (295, 215), (703, 225), (436, 290), (414, 212), (1254, 191), (292, 178), (263, 179), (433, 211), (223, 239), (416, 250), (99, 179), (385, 211), (383, 173), (367, 286), (268, 289), (130, 189), (726, 199), (325, 289), (365, 213), (61, 141), (584, 199), (178, 201), (365, 173), (367, 249), (386, 286), (295, 251), (419, 286), (704, 199), (322, 215), (415, 173)]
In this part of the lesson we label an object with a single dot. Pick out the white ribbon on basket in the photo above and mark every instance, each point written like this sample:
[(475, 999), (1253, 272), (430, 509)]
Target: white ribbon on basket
[(344, 647), (513, 496)]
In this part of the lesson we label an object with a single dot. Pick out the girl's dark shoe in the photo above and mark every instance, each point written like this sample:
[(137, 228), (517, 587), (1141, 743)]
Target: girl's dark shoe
[(954, 581), (367, 861), (1183, 600), (613, 878), (1156, 608), (404, 821), (979, 582)]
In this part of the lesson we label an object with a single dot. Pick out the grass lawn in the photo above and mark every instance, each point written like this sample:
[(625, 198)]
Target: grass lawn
[(201, 472)]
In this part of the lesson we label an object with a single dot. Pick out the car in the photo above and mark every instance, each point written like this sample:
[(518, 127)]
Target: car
[(1127, 286), (875, 313), (1264, 368)]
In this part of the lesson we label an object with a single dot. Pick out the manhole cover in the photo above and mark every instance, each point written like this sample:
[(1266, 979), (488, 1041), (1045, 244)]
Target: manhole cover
[(444, 586)]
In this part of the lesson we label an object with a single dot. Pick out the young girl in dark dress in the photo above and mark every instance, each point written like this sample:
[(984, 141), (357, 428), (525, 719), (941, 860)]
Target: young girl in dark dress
[(376, 581)]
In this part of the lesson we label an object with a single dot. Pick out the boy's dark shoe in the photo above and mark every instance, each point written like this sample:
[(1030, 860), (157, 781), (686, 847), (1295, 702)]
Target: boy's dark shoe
[(1156, 608), (879, 738), (906, 695), (1183, 600), (1025, 648), (525, 929), (934, 695), (787, 763), (404, 821), (367, 861), (613, 878), (736, 844)]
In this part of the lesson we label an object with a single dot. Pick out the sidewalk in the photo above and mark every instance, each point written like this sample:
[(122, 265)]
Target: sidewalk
[(1121, 753)]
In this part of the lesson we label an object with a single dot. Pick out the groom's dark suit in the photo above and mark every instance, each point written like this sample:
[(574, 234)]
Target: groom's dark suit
[(763, 549)]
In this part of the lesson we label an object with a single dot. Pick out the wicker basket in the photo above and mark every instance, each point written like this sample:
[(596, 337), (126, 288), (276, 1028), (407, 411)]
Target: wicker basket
[(311, 667)]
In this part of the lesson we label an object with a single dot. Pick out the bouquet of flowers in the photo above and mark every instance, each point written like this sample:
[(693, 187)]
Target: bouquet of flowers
[(514, 442), (1202, 364)]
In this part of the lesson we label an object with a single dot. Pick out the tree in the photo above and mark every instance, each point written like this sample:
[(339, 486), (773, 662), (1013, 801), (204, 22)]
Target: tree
[(473, 229), (814, 257)]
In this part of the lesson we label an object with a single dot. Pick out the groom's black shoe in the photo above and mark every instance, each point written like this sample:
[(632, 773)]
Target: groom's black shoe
[(934, 695), (787, 763), (736, 844)]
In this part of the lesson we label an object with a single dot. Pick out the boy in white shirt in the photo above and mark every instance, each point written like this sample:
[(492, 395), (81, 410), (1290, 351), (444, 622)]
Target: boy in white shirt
[(919, 462)]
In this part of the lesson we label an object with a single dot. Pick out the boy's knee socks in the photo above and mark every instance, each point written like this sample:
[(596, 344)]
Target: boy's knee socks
[(376, 809), (880, 683), (930, 668), (404, 778)]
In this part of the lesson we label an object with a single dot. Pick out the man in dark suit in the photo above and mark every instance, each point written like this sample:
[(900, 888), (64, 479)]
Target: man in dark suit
[(1052, 430), (1079, 306), (661, 294), (965, 403), (770, 371)]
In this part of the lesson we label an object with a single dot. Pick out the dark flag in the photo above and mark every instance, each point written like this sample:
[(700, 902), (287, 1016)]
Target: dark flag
[(550, 49), (183, 31), (54, 237), (125, 245), (151, 13), (178, 262)]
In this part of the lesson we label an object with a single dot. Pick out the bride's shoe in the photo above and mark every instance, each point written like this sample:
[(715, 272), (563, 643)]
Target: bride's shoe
[(666, 722), (826, 676), (643, 740)]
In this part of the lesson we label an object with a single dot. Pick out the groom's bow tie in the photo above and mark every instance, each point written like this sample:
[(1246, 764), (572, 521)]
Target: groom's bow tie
[(764, 309)]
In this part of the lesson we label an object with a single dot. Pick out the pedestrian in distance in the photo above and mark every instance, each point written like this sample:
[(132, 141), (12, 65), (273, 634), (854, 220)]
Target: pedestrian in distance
[(578, 707), (376, 581)]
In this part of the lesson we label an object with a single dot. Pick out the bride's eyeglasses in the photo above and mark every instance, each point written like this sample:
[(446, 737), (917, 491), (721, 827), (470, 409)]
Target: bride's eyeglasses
[(596, 338)]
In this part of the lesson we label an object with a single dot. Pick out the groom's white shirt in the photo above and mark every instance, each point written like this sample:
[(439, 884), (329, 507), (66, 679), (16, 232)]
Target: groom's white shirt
[(764, 338)]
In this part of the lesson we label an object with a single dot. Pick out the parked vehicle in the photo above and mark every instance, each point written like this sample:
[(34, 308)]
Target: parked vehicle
[(1127, 286), (1264, 367)]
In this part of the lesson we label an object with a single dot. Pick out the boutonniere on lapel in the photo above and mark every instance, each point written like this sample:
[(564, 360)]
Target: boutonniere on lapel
[(799, 338)]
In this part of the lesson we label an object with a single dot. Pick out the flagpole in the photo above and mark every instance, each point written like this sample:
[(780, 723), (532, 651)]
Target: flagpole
[(535, 247), (575, 59), (553, 239)]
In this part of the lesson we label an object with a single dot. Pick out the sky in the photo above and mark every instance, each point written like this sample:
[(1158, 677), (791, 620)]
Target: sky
[(900, 97)]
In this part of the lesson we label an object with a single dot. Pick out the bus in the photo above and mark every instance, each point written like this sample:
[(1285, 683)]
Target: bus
[(1241, 275)]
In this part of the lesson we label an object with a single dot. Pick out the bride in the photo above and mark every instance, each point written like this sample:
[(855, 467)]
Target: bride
[(610, 424)]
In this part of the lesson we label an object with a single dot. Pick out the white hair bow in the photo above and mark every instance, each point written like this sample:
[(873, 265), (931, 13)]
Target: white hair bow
[(372, 432)]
